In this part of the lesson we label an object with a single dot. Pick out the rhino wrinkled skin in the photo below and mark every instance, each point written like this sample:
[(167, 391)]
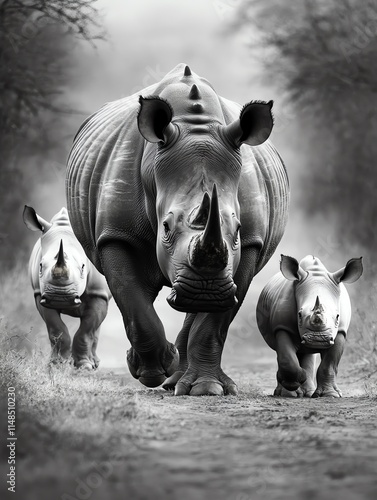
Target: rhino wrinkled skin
[(178, 187), (304, 310), (66, 282)]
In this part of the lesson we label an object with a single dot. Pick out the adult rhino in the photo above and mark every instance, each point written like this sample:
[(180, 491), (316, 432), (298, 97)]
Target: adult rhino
[(303, 310), (66, 282), (178, 188)]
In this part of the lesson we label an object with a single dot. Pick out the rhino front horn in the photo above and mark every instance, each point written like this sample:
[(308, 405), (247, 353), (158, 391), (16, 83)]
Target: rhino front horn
[(210, 250), (61, 260), (60, 269)]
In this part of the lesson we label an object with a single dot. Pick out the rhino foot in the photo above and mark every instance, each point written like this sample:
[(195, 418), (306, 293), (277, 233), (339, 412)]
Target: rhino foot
[(84, 364), (59, 360), (301, 392), (327, 392), (207, 385), (171, 382), (153, 371)]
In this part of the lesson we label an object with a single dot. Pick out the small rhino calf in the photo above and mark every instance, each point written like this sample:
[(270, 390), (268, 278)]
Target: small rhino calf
[(301, 311), (66, 282)]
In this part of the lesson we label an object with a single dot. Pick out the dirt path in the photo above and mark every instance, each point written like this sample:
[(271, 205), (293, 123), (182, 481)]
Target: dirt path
[(150, 445), (257, 446)]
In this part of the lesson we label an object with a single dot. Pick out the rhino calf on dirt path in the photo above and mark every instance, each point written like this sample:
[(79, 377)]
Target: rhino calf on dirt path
[(301, 311), (66, 282)]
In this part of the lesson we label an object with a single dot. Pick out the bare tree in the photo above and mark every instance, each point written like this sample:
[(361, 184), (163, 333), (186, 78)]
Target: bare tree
[(36, 38), (323, 53)]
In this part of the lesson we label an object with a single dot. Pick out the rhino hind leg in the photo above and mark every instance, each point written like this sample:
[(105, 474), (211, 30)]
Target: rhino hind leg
[(86, 338), (285, 393), (181, 345), (308, 363), (328, 369)]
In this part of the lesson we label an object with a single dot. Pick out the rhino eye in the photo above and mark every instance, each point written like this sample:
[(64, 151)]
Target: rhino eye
[(40, 268), (166, 227), (300, 317)]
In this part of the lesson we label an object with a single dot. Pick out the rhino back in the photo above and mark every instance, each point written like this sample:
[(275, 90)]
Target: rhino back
[(276, 309), (104, 189)]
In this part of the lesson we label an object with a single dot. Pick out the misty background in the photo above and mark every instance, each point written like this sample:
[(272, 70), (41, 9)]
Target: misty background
[(61, 61)]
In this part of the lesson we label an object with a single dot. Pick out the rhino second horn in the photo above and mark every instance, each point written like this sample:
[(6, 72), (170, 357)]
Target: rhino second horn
[(195, 93), (202, 213), (187, 71)]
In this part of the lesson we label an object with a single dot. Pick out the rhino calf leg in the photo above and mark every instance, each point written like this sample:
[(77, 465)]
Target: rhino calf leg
[(290, 374), (308, 363), (86, 338), (328, 369), (58, 334)]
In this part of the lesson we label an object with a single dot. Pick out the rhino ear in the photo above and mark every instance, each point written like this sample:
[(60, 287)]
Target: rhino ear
[(291, 269), (33, 221), (254, 125), (350, 273), (154, 119)]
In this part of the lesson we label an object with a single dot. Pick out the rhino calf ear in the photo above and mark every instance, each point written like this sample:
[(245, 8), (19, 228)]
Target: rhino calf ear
[(33, 221), (154, 119), (254, 125), (291, 269), (350, 273)]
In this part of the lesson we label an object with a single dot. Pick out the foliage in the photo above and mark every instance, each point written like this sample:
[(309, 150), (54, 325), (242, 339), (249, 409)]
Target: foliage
[(322, 53), (36, 39)]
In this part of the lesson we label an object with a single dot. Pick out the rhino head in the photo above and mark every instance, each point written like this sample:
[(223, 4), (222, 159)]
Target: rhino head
[(60, 266), (191, 180), (317, 293)]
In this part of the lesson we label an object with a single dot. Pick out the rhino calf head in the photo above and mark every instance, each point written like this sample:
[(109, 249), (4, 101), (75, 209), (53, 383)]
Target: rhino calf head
[(318, 293), (59, 267)]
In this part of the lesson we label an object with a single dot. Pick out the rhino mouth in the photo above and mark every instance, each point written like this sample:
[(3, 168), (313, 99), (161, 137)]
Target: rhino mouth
[(322, 339), (199, 295), (60, 299)]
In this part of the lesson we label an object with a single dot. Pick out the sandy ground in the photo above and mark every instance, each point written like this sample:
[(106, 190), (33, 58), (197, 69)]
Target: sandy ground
[(147, 444)]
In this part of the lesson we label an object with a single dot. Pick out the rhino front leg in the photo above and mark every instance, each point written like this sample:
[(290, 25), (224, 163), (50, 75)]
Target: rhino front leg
[(204, 375), (328, 369), (58, 333), (135, 279), (290, 375), (86, 338)]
